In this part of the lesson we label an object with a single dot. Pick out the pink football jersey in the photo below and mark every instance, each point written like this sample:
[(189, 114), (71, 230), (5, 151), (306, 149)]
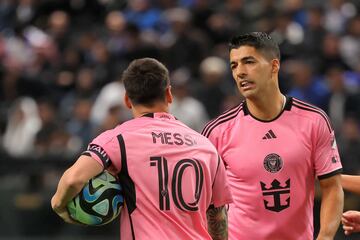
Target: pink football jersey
[(272, 166), (170, 175)]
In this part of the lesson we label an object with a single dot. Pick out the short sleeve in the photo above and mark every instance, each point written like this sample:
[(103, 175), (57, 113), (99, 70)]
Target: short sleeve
[(105, 150), (221, 189), (326, 155)]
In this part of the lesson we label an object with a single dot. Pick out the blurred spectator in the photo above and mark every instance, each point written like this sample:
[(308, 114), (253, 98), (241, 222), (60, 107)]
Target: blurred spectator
[(71, 60), (18, 52), (80, 126), (229, 17), (212, 91), (184, 107), (182, 41), (85, 43), (353, 103), (101, 63), (84, 88), (289, 34), (314, 34), (9, 85), (110, 97), (115, 115), (349, 146), (296, 9), (337, 13), (114, 37), (330, 55), (261, 14), (64, 81), (135, 45), (25, 11), (59, 28), (144, 15), (7, 8), (306, 87), (350, 44), (45, 54), (338, 97), (52, 138), (201, 10), (49, 125), (22, 126)]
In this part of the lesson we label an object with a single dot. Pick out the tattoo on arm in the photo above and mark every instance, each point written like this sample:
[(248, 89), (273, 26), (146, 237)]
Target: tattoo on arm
[(217, 223)]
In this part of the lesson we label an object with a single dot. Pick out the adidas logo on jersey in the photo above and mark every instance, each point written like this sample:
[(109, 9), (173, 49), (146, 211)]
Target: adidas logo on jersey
[(269, 135)]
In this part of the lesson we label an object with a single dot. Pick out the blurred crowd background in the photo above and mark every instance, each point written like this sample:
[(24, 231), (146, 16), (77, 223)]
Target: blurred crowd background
[(60, 81)]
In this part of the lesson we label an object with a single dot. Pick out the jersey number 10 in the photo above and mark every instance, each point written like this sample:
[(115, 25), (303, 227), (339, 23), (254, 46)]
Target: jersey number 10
[(176, 183)]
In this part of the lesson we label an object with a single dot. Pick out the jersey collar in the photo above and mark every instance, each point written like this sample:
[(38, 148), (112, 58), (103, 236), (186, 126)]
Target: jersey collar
[(287, 107), (160, 115)]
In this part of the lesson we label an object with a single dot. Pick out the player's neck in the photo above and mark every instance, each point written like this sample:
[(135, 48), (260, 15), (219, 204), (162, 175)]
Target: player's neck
[(266, 108), (141, 110)]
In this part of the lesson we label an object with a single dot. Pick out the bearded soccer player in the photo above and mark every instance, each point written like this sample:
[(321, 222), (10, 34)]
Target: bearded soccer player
[(174, 182), (274, 147)]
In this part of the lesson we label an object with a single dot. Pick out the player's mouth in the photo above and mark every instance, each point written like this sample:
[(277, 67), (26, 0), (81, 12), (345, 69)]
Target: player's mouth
[(246, 85)]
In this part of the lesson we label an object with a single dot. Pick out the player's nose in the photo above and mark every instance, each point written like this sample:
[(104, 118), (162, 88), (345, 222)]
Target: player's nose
[(241, 75), (240, 72)]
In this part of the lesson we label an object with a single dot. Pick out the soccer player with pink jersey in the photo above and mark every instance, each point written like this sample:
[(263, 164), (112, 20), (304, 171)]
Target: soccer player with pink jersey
[(273, 148), (175, 184)]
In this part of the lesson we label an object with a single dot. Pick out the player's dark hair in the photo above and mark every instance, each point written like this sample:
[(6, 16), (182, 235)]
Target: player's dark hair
[(260, 41), (145, 81)]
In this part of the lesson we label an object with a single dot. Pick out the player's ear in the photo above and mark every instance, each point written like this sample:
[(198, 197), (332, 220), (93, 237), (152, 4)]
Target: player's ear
[(168, 95), (275, 65), (127, 101)]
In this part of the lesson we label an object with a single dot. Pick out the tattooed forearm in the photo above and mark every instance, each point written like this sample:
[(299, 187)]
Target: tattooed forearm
[(218, 223)]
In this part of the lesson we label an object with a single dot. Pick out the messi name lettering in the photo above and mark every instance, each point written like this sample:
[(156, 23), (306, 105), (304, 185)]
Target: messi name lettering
[(172, 138)]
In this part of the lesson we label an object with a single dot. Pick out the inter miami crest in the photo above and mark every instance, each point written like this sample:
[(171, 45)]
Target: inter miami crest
[(273, 163), (276, 197)]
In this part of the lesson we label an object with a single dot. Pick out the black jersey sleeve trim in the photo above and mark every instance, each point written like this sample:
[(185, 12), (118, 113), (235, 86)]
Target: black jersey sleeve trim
[(104, 161), (327, 175), (100, 153), (127, 183), (86, 153)]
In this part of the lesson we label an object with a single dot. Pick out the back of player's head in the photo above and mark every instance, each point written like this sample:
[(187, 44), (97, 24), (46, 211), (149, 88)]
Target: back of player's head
[(145, 81), (260, 41)]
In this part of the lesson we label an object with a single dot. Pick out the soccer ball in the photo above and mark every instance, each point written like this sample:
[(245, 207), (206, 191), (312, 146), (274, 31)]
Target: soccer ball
[(99, 202)]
